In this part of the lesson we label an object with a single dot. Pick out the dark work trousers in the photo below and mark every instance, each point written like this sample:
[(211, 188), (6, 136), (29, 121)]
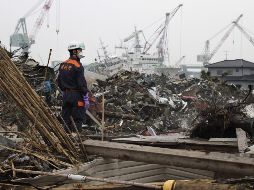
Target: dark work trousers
[(73, 105)]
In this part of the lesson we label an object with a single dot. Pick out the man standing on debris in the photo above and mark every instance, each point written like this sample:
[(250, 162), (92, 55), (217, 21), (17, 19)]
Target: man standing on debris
[(47, 89), (72, 82)]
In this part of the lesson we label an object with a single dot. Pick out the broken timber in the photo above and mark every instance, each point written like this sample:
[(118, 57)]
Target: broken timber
[(232, 164), (179, 143)]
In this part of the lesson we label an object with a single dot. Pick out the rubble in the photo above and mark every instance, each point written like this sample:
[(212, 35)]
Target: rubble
[(137, 101), (135, 104), (222, 113), (44, 138), (34, 74)]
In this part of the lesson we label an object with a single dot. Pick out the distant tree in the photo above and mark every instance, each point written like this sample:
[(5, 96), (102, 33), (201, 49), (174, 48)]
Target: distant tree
[(205, 75)]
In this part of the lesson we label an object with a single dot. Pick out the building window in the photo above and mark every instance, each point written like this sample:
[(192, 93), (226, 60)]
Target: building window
[(237, 70), (219, 72), (230, 72)]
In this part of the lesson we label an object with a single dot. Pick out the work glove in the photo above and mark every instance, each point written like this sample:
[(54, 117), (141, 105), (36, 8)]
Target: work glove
[(86, 101)]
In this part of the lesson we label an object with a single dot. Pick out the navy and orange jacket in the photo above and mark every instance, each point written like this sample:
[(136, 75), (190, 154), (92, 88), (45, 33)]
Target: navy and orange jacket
[(71, 76)]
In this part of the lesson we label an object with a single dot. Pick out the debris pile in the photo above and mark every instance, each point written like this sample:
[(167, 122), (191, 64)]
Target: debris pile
[(33, 72), (9, 117), (136, 101), (35, 76), (206, 108), (223, 111)]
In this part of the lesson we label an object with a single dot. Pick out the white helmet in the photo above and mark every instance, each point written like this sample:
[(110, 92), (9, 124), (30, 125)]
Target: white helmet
[(76, 45)]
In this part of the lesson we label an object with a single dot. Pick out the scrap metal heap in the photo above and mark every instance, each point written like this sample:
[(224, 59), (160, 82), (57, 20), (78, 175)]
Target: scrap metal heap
[(135, 101), (224, 110)]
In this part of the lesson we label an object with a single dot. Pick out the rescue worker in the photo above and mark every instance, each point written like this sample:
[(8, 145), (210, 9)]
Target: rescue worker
[(72, 82), (47, 89)]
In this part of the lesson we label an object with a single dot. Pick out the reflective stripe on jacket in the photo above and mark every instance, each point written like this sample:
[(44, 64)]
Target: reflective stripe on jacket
[(71, 76)]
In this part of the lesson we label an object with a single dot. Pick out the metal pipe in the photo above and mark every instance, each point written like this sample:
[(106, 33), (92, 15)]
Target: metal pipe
[(84, 178)]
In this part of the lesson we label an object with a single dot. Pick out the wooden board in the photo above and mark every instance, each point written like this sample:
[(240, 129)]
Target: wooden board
[(233, 164)]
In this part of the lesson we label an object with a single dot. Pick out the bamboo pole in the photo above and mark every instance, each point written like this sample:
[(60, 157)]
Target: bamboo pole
[(45, 76), (82, 147), (14, 85), (103, 119)]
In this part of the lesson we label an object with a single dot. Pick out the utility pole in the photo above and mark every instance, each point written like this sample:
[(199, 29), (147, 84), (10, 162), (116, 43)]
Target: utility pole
[(226, 54)]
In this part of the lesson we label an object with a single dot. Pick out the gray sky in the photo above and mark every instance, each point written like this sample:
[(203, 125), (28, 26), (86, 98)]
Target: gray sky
[(113, 20)]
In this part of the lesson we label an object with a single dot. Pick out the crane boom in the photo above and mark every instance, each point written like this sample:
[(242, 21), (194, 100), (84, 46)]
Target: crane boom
[(33, 9), (245, 33), (180, 60), (40, 20), (21, 39), (162, 31), (163, 40), (135, 35), (223, 39), (132, 36)]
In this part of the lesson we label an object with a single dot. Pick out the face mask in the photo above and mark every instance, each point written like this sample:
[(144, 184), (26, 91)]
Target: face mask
[(80, 55)]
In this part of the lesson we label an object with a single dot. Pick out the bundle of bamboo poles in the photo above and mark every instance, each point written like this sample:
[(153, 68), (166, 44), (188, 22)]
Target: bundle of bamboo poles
[(14, 85)]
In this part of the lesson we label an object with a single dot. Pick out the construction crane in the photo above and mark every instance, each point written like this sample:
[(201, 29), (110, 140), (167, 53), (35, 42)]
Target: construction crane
[(245, 33), (104, 49), (207, 56), (135, 35), (179, 61), (162, 45), (162, 31), (23, 39)]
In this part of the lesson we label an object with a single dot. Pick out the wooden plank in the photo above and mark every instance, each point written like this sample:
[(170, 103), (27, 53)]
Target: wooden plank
[(109, 167), (213, 161), (94, 119), (178, 142), (206, 174), (138, 175), (187, 174), (113, 172), (173, 141), (223, 139)]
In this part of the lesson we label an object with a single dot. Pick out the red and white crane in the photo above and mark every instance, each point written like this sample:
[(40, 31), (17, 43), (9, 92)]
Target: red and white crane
[(40, 20), (22, 39)]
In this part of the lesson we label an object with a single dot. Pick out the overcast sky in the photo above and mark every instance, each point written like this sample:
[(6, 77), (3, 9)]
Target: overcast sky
[(113, 20)]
